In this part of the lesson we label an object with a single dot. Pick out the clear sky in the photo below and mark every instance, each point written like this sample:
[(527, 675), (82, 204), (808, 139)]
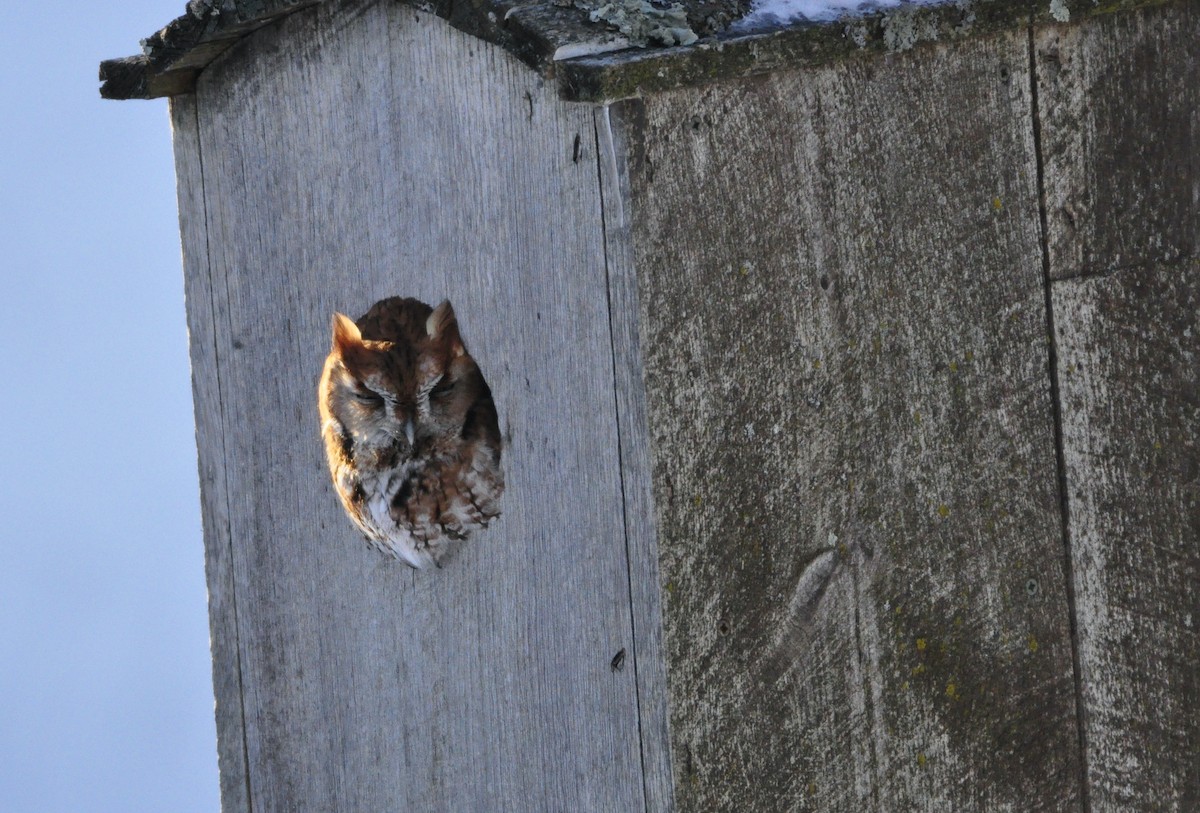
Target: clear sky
[(105, 683)]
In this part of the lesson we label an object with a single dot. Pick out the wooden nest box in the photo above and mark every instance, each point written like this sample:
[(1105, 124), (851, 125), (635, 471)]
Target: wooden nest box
[(848, 379)]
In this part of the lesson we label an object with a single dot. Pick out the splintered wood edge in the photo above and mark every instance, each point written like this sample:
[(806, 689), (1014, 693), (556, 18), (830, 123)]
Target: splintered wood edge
[(589, 61)]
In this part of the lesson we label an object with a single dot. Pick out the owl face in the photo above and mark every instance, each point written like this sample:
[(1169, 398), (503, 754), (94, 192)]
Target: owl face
[(400, 396)]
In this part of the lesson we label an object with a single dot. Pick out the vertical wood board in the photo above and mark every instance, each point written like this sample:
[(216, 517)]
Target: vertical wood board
[(210, 440), (1119, 110), (361, 150), (1128, 355), (628, 366), (1119, 102), (844, 329)]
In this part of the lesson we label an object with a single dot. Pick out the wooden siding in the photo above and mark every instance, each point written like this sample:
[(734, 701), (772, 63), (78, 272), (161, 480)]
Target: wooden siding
[(1128, 356), (644, 589), (775, 359), (322, 146), (1119, 110), (844, 328), (211, 437)]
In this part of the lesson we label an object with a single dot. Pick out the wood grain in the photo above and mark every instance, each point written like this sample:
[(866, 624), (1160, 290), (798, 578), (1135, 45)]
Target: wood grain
[(211, 431), (1119, 112), (628, 365), (771, 359), (1119, 109), (1129, 351), (844, 328), (486, 685)]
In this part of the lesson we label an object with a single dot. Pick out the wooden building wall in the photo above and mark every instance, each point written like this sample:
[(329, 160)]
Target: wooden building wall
[(856, 403), (315, 166), (1120, 116), (850, 407), (921, 364), (921, 347)]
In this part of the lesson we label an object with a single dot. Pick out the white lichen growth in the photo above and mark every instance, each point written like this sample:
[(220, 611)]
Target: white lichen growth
[(1059, 11), (857, 34), (641, 22), (904, 28)]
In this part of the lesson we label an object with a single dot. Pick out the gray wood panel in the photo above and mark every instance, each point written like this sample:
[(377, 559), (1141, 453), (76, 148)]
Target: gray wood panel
[(356, 151), (1119, 104), (1119, 108), (1128, 355), (628, 365), (210, 440), (843, 320)]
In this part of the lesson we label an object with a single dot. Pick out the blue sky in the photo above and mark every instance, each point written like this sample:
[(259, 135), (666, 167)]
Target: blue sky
[(104, 668)]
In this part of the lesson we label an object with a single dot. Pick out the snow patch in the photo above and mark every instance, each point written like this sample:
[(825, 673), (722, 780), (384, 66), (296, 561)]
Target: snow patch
[(769, 14), (578, 49)]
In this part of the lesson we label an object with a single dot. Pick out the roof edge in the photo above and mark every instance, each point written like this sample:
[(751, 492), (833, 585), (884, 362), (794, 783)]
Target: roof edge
[(592, 61), (538, 32), (173, 56), (628, 74)]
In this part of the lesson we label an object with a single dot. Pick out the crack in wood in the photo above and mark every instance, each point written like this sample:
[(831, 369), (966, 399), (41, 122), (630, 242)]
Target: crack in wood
[(1057, 410)]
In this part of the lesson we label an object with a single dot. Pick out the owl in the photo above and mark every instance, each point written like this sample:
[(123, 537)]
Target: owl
[(410, 430)]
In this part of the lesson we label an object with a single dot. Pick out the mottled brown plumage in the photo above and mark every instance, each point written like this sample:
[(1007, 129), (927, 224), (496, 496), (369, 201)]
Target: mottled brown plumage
[(410, 429)]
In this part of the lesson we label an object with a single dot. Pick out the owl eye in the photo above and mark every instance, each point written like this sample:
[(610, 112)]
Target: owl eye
[(443, 387), (367, 398)]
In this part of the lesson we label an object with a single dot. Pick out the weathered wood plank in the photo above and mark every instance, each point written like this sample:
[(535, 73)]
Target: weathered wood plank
[(203, 316), (843, 319), (1129, 351), (644, 581), (486, 685), (1119, 109), (1119, 105)]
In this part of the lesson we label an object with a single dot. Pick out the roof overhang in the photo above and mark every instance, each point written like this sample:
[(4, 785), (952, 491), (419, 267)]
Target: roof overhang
[(590, 58)]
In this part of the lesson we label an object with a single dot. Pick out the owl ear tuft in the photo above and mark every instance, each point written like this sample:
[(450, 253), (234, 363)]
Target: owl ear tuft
[(346, 335), (442, 327)]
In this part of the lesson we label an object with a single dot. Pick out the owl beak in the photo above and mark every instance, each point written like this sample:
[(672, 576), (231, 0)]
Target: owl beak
[(409, 430)]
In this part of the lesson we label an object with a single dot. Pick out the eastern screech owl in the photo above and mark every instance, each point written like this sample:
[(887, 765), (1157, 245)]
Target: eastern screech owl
[(410, 429)]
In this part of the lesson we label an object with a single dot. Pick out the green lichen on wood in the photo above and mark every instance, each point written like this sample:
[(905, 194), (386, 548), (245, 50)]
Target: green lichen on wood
[(534, 32), (629, 73), (641, 22)]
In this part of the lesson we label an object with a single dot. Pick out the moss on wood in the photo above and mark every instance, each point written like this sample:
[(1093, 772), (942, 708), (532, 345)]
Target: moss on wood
[(542, 33), (627, 74)]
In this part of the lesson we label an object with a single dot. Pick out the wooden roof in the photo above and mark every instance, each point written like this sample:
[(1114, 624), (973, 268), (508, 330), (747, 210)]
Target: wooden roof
[(539, 32), (580, 43)]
